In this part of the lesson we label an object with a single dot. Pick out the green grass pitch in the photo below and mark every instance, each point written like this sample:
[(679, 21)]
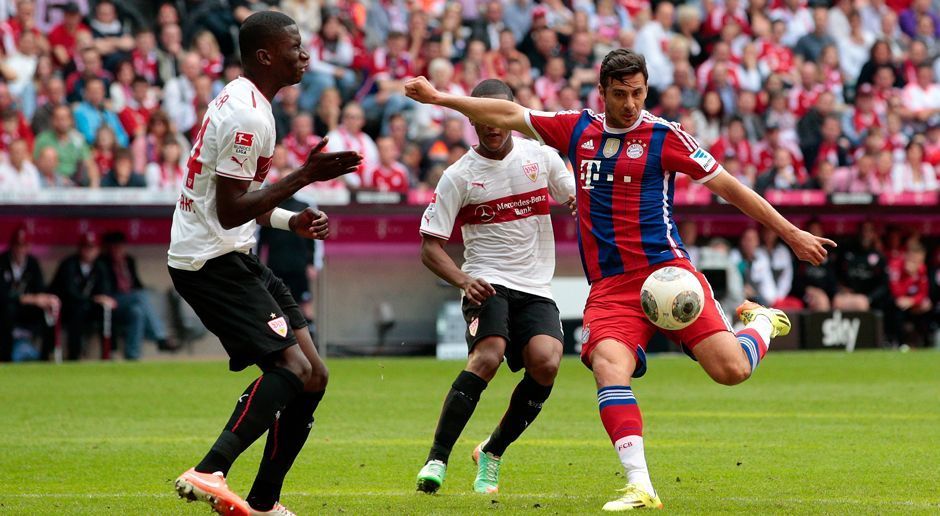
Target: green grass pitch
[(823, 433)]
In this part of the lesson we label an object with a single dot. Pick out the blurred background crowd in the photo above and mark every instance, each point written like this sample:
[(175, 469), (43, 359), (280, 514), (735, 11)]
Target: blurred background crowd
[(834, 96), (838, 97)]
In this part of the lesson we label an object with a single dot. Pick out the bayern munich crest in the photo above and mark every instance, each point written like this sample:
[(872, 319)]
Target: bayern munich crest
[(634, 151)]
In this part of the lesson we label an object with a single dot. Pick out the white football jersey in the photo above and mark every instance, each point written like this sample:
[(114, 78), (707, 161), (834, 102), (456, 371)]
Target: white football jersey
[(235, 140), (504, 211)]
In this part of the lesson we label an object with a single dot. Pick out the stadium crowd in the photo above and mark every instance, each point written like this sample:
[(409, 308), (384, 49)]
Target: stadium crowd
[(787, 95), (836, 96)]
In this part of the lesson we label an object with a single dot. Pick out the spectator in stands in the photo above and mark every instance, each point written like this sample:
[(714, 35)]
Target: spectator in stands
[(210, 57), (81, 283), (134, 311), (854, 48), (880, 56), (331, 56), (179, 94), (782, 175), (112, 39), (166, 173), (170, 52), (914, 174), (860, 178), (285, 108), (389, 175), (909, 19), (861, 118), (74, 156), (862, 273), (25, 306), (815, 285), (328, 113), (49, 95), (652, 41), (18, 174), (123, 174), (145, 56), (708, 118), (781, 266), (102, 153), (46, 164), (921, 99), (735, 142), (23, 62), (910, 290), (90, 68), (754, 269), (64, 30), (349, 136), (833, 148), (300, 140), (92, 113), (551, 82), (384, 91), (11, 129), (138, 108), (146, 147), (810, 46)]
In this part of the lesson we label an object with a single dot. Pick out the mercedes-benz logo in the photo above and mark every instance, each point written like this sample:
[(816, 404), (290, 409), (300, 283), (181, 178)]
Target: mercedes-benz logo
[(485, 212)]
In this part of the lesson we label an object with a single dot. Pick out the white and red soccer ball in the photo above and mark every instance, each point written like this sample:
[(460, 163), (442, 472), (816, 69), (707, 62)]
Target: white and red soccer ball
[(672, 298)]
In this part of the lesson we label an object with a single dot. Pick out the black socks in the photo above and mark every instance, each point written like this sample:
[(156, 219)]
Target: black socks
[(254, 413), (458, 407), (524, 405)]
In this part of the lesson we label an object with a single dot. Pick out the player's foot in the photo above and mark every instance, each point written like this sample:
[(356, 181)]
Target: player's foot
[(431, 476), (487, 480), (633, 497), (749, 310), (277, 510), (212, 489)]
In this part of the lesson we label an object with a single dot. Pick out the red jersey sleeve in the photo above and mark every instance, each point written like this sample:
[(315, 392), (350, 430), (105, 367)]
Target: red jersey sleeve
[(553, 128), (681, 153)]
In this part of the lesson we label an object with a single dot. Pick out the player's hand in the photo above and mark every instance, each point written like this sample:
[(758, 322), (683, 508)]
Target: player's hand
[(106, 301), (311, 223), (810, 248), (323, 166), (572, 205), (418, 88), (477, 290)]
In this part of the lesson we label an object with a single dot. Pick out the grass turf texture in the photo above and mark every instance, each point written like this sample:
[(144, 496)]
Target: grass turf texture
[(811, 433)]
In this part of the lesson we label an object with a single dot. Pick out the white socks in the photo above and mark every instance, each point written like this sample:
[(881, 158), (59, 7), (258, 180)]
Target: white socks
[(630, 450)]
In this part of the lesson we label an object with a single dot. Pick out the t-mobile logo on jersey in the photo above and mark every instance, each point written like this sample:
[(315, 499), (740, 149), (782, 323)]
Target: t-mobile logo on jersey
[(591, 174)]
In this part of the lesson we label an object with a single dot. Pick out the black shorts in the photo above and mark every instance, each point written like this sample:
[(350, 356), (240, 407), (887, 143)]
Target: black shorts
[(516, 316), (244, 304)]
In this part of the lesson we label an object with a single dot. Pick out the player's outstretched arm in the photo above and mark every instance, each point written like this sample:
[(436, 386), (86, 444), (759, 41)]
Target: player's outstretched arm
[(436, 258), (503, 114), (806, 246), (236, 205)]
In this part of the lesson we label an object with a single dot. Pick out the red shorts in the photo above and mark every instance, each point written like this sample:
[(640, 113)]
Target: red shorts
[(613, 312)]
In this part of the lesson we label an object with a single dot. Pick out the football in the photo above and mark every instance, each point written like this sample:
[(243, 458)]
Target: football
[(672, 298)]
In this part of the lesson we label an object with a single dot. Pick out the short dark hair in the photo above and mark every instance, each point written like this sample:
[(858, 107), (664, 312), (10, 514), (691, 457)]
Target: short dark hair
[(622, 62), (257, 29), (492, 88)]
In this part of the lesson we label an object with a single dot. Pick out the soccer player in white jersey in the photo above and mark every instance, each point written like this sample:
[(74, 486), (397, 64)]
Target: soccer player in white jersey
[(499, 192), (235, 295)]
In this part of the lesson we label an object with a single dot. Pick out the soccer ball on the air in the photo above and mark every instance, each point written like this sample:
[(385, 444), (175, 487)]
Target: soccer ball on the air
[(672, 298)]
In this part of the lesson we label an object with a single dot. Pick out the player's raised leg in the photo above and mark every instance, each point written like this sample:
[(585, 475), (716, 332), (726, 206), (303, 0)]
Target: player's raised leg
[(482, 364), (730, 358), (613, 364), (287, 435), (541, 357)]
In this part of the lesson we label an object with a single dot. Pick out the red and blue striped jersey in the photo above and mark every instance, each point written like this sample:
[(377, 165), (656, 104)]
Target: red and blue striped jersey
[(625, 185)]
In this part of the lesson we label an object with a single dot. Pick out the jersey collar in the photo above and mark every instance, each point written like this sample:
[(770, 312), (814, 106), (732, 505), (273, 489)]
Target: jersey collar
[(622, 130)]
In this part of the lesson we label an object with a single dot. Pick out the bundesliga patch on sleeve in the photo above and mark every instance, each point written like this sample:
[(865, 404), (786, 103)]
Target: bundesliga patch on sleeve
[(243, 142), (703, 158)]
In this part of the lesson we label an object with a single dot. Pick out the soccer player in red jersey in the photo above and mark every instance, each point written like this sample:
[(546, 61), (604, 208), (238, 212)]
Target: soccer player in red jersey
[(625, 161)]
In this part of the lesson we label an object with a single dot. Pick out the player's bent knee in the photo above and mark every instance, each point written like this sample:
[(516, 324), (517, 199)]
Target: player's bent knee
[(319, 378), (544, 370), (484, 364), (731, 373)]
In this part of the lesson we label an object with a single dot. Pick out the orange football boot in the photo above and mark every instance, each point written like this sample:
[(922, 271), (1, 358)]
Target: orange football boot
[(212, 489)]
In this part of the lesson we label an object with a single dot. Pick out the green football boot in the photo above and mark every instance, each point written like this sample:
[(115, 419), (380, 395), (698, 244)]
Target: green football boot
[(431, 476), (487, 480)]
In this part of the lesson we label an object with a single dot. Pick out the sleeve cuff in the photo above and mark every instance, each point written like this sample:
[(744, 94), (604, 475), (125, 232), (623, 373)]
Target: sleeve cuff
[(233, 176), (718, 170), (435, 235), (528, 121)]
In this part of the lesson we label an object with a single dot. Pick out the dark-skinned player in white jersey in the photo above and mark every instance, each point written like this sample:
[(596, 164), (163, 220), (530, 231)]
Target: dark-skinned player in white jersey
[(234, 294)]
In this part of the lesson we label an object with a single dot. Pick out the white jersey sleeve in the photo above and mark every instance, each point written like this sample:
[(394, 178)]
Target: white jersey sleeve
[(560, 179), (243, 142), (439, 217)]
